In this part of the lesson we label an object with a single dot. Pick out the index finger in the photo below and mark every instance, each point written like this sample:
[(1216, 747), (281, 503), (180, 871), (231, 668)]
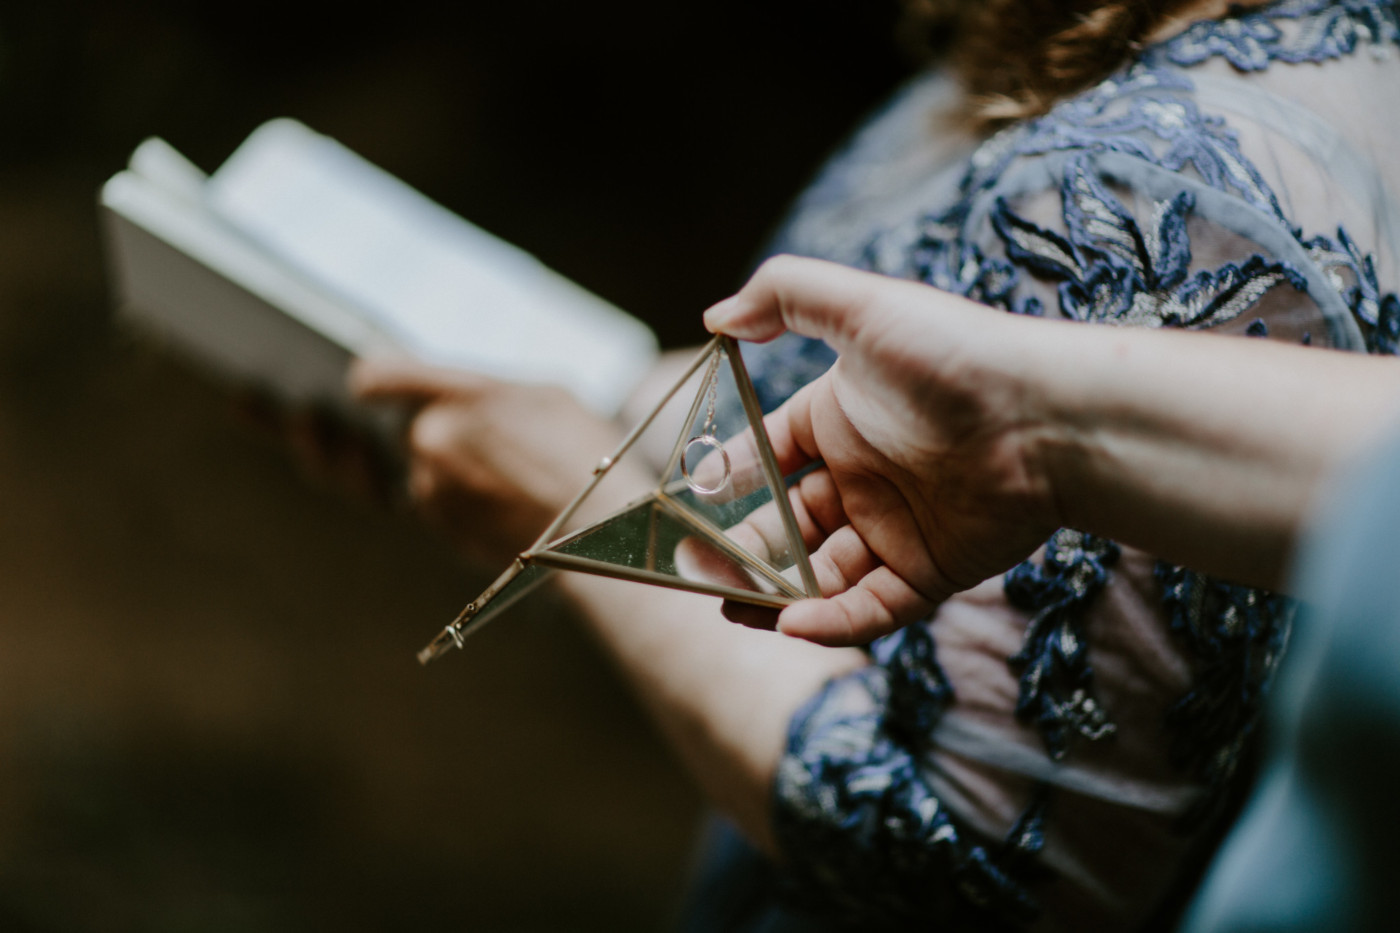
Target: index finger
[(810, 297)]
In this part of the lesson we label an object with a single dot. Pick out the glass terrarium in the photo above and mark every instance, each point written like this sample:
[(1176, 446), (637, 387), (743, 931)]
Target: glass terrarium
[(692, 499)]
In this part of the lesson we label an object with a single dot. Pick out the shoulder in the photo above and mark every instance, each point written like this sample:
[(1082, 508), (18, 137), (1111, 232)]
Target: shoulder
[(1188, 187)]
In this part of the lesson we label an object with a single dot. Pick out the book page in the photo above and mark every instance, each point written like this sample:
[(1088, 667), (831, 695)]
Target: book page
[(445, 290)]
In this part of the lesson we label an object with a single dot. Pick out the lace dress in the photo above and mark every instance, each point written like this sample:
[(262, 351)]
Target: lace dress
[(1052, 748)]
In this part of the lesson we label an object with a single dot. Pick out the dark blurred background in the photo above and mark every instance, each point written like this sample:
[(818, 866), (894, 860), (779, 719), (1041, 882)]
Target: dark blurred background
[(210, 716)]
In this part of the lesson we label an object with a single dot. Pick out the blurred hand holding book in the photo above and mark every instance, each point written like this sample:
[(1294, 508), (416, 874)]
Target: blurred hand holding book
[(297, 255)]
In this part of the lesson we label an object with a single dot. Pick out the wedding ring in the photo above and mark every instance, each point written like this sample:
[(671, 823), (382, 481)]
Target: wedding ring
[(705, 440)]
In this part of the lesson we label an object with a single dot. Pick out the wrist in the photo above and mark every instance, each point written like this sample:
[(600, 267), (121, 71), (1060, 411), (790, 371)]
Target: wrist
[(1035, 399), (1059, 457)]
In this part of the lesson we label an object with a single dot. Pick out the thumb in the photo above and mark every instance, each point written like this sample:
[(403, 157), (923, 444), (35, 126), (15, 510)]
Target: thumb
[(880, 603)]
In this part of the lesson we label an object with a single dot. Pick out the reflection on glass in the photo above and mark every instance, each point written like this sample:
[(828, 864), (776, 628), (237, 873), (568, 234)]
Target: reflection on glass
[(659, 537), (716, 519)]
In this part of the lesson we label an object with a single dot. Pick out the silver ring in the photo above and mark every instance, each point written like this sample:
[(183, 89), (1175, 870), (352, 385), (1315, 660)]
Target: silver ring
[(705, 440)]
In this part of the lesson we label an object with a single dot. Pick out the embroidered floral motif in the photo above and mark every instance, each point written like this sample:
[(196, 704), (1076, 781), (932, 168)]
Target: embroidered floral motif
[(1112, 271), (919, 690), (857, 795), (1353, 275), (1143, 112), (1247, 42), (1056, 689), (1238, 635), (954, 265), (1251, 40)]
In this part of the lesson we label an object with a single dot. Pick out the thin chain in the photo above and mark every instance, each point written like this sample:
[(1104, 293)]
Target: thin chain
[(711, 394), (706, 438)]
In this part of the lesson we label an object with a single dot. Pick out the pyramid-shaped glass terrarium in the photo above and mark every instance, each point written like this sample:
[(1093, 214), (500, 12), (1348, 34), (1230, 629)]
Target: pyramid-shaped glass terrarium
[(692, 499)]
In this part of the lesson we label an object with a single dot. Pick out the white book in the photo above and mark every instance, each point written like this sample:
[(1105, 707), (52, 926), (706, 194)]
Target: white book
[(297, 254)]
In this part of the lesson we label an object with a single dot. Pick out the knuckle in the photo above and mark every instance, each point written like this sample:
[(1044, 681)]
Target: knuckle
[(781, 264), (773, 270)]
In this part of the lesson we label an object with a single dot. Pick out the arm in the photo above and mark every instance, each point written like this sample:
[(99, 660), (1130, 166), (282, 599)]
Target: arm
[(722, 695), (956, 439)]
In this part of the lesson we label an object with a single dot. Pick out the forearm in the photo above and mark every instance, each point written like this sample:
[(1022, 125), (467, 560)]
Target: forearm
[(1206, 450), (722, 695)]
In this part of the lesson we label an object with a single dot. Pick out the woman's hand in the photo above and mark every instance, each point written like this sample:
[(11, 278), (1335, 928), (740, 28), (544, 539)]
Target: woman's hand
[(491, 462), (955, 439), (929, 485)]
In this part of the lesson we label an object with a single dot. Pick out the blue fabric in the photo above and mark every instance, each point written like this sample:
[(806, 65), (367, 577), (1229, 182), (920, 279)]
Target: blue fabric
[(1135, 167)]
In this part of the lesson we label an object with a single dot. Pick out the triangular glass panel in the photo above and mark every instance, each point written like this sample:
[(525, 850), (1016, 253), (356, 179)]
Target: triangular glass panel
[(691, 500)]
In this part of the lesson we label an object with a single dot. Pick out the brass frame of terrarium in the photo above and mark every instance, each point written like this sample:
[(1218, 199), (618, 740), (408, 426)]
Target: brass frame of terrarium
[(542, 555)]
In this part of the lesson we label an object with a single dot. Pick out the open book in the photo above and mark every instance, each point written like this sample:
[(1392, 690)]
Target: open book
[(297, 254)]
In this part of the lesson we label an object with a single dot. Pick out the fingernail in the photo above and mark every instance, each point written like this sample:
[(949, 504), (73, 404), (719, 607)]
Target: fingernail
[(721, 315), (790, 620)]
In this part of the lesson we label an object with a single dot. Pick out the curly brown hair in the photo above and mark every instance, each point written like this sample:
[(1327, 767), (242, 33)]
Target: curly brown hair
[(1017, 57)]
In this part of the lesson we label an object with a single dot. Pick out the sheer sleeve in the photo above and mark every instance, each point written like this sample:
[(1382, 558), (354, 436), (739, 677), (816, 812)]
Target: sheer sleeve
[(1054, 748)]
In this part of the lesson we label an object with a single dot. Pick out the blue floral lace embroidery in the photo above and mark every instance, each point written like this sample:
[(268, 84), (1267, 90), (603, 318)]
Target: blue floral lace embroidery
[(853, 801), (855, 791), (1250, 41), (1238, 635), (1112, 270), (1056, 679), (1353, 275)]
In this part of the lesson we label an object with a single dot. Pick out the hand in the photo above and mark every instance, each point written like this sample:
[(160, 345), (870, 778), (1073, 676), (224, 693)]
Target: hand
[(929, 485), (491, 462)]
